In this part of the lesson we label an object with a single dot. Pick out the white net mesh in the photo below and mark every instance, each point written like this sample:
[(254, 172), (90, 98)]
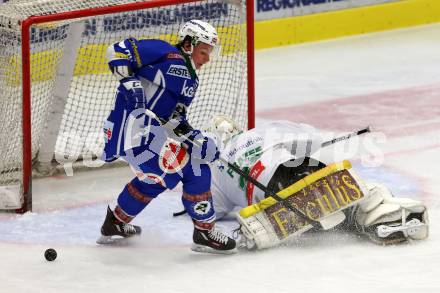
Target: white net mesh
[(71, 104)]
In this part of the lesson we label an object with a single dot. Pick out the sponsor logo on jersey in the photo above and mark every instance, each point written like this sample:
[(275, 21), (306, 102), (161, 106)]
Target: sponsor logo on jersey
[(108, 131), (134, 47), (173, 157), (202, 207), (175, 56), (237, 147), (255, 172), (188, 91), (120, 55), (179, 71)]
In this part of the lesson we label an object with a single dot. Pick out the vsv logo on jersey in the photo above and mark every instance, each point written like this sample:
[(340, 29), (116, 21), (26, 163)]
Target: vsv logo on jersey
[(188, 91), (173, 157), (179, 71)]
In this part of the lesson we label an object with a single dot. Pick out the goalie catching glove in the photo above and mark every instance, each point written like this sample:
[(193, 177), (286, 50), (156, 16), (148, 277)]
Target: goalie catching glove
[(388, 220)]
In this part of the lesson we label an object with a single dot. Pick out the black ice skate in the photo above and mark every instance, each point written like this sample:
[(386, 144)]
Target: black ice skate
[(113, 230), (213, 241)]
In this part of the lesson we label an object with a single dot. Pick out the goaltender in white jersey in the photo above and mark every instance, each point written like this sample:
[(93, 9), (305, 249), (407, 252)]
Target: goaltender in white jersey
[(259, 152), (278, 154)]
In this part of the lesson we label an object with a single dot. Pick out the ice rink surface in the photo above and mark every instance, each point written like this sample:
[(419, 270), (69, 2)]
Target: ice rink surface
[(388, 80)]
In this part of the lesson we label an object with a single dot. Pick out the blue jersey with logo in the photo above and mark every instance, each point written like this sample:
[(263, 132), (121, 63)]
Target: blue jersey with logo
[(169, 82), (167, 77)]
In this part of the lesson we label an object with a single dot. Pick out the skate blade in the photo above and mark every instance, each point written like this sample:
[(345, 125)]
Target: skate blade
[(111, 240), (207, 249)]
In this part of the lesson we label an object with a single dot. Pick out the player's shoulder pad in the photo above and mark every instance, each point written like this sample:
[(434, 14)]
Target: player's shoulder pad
[(176, 72), (152, 51)]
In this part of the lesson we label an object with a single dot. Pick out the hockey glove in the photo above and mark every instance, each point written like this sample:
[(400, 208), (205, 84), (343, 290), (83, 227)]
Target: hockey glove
[(134, 92), (178, 121), (177, 127), (204, 149)]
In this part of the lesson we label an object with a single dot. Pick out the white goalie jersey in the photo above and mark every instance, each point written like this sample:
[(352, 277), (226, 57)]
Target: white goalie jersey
[(373, 212), (258, 152)]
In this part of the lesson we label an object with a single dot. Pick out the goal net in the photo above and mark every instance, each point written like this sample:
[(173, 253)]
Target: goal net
[(56, 89)]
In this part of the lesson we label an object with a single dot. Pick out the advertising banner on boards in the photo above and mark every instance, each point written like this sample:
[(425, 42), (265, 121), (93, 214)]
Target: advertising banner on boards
[(271, 9)]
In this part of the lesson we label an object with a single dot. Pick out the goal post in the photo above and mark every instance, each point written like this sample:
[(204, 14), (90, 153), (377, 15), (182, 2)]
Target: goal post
[(36, 78)]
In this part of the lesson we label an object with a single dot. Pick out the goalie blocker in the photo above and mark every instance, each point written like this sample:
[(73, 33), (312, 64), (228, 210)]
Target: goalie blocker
[(327, 196)]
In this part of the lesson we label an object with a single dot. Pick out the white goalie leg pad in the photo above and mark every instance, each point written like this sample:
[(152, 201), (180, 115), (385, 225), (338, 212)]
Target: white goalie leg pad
[(332, 220), (389, 219), (259, 233)]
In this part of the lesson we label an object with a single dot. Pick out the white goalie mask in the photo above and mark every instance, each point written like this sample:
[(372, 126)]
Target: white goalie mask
[(200, 32), (223, 127)]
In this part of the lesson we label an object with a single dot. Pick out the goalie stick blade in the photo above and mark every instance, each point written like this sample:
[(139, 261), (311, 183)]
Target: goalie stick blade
[(207, 249)]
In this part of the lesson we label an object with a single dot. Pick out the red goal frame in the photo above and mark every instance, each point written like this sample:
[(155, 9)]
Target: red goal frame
[(26, 71)]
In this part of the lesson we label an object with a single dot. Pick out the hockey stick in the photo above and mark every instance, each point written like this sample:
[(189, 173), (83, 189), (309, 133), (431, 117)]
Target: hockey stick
[(182, 212), (263, 188), (240, 172), (348, 136)]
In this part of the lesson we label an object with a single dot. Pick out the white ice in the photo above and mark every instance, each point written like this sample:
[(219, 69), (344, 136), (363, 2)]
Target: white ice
[(389, 80)]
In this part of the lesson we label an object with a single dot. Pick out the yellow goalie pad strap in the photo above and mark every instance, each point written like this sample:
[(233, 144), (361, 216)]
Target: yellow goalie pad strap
[(295, 187)]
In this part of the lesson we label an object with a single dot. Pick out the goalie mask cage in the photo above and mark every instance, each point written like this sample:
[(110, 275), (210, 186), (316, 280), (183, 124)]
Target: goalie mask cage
[(56, 89)]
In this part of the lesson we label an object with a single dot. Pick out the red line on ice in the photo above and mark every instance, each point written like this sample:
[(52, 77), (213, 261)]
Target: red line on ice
[(396, 113)]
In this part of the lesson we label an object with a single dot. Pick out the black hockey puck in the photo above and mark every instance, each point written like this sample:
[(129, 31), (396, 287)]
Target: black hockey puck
[(50, 254)]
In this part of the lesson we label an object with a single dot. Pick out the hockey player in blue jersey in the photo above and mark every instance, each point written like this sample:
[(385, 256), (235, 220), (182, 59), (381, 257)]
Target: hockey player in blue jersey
[(158, 76)]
